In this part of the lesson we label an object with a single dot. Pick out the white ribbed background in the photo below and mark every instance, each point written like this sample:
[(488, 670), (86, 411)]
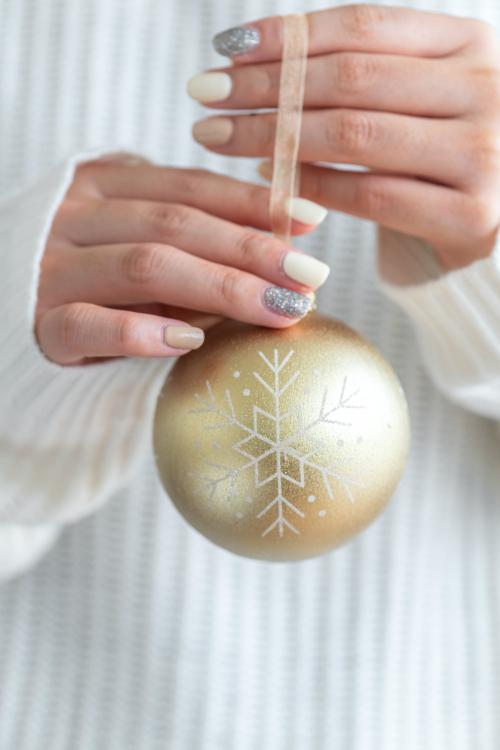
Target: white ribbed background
[(136, 634)]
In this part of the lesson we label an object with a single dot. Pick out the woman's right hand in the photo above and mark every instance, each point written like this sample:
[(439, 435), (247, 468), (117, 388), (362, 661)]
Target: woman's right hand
[(138, 253)]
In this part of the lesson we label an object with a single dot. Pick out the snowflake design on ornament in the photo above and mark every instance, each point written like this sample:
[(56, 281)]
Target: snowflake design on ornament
[(274, 448)]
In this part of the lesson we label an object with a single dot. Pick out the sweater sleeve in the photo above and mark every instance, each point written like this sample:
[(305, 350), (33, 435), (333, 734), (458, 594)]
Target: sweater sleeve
[(456, 316), (69, 436)]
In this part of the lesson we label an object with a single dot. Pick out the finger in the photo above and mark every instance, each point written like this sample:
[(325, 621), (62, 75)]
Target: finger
[(191, 317), (131, 274), (407, 85), (225, 197), (111, 222), (361, 27), (78, 331), (446, 217), (433, 148)]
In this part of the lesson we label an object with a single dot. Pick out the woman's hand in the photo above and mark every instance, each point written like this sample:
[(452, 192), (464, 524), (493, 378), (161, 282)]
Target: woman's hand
[(139, 255), (412, 96)]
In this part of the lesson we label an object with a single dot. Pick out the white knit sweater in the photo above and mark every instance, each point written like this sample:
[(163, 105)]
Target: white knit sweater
[(135, 632)]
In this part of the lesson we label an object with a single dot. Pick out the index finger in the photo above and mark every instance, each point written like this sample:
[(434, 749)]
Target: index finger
[(363, 28), (241, 202)]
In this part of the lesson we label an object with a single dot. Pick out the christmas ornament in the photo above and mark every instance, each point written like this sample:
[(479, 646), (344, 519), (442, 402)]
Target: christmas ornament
[(282, 444)]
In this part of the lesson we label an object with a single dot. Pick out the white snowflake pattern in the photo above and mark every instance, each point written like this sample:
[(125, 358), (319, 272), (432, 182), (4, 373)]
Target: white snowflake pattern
[(275, 445)]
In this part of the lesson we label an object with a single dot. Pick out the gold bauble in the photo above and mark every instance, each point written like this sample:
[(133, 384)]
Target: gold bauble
[(281, 444)]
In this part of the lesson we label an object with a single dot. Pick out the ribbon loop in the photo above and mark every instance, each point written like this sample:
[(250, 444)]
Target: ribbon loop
[(286, 169)]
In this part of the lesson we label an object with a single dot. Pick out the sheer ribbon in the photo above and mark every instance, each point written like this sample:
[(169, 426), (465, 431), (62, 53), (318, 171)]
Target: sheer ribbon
[(286, 168)]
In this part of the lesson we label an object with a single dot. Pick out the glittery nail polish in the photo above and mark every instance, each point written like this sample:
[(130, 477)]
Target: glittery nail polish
[(236, 41), (286, 302)]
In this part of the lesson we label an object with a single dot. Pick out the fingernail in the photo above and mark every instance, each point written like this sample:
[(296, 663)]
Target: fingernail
[(286, 302), (125, 158), (300, 209), (236, 41), (265, 169), (183, 337), (210, 87), (215, 131), (305, 269), (307, 212)]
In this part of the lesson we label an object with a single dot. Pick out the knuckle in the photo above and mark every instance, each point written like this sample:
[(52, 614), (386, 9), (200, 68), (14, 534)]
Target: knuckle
[(190, 181), (354, 73), (87, 168), (126, 332), (485, 84), (481, 215), (484, 34), (351, 133), (226, 281), (85, 181), (316, 184), (263, 83), (72, 206), (248, 247), (167, 220), (373, 199), (73, 320), (50, 260), (257, 196), (263, 133), (141, 264), (484, 151), (362, 21)]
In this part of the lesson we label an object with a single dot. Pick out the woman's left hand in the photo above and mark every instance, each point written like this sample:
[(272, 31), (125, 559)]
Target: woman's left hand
[(412, 96)]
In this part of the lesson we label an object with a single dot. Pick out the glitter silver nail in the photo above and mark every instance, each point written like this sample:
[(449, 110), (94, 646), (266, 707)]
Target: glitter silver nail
[(236, 41), (286, 302)]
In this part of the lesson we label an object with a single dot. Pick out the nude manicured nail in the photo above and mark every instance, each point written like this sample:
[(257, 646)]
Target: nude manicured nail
[(210, 87), (125, 158), (236, 41), (183, 337), (216, 131), (305, 269), (305, 211)]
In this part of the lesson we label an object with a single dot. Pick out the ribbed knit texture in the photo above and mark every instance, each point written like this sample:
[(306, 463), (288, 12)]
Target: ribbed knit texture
[(133, 632)]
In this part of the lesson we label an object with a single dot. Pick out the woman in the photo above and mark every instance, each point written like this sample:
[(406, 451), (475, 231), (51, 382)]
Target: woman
[(134, 631)]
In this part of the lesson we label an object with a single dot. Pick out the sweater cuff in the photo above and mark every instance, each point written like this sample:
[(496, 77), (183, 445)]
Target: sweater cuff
[(69, 436), (456, 315)]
